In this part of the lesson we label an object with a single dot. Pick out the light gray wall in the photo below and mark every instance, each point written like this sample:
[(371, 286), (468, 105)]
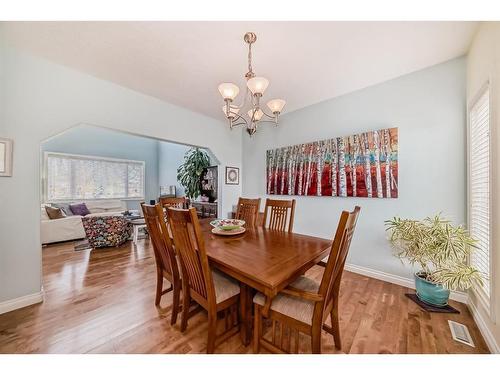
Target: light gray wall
[(39, 99), (95, 141), (429, 108), (170, 157)]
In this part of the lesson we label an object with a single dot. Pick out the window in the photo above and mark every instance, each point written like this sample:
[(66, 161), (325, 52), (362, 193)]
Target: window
[(479, 187), (78, 177)]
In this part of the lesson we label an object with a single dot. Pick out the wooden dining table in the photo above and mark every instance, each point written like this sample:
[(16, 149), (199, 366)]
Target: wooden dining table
[(262, 260)]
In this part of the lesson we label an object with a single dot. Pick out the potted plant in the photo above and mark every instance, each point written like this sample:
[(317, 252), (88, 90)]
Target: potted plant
[(441, 250), (189, 172)]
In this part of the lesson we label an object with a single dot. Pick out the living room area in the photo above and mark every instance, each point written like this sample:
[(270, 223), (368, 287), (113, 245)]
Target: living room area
[(93, 180)]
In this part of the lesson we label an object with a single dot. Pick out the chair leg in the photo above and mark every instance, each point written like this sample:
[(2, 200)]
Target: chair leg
[(175, 304), (212, 332), (186, 302), (159, 286), (334, 316), (257, 329), (316, 340)]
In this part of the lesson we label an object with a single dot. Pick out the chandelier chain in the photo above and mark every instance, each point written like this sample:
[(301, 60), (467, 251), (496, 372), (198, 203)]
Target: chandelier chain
[(250, 71)]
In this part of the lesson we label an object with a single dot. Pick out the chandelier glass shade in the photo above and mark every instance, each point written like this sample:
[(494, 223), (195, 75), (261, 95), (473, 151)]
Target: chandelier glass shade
[(255, 115), (229, 90), (252, 114), (276, 105), (257, 85)]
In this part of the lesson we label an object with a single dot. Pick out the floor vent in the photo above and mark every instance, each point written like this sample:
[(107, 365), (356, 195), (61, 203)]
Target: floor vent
[(460, 333)]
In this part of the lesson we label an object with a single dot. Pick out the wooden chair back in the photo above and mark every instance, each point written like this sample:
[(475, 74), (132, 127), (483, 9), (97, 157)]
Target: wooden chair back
[(276, 213), (177, 202), (330, 283), (158, 233), (190, 246), (248, 210)]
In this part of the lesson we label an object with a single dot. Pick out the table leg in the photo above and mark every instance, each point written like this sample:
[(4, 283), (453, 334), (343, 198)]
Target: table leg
[(136, 234), (246, 296)]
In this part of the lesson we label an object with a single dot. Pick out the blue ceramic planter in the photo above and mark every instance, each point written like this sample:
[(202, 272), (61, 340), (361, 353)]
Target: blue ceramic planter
[(428, 292)]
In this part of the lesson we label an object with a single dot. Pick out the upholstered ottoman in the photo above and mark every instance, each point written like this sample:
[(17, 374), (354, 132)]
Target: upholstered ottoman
[(104, 231)]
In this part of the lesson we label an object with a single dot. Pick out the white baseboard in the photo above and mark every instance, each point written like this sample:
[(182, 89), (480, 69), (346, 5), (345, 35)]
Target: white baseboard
[(20, 302), (398, 280), (483, 328)]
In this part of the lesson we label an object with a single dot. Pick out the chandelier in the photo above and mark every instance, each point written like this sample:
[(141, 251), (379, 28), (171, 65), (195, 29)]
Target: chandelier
[(249, 112)]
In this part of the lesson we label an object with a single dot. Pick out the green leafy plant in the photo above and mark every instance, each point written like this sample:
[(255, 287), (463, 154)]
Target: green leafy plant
[(188, 174), (437, 246)]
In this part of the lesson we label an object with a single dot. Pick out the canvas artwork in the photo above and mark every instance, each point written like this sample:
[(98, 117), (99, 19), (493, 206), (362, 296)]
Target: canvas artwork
[(2, 156), (360, 165), (5, 157)]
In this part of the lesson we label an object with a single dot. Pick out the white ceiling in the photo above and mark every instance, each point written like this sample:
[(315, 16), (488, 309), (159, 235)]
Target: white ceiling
[(183, 62)]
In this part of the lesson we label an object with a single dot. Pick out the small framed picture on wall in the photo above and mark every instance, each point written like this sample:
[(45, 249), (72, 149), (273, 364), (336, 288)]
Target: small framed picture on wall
[(232, 176), (6, 157)]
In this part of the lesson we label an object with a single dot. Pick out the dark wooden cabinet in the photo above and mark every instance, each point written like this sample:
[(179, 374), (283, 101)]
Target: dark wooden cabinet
[(208, 183), (205, 209), (208, 187)]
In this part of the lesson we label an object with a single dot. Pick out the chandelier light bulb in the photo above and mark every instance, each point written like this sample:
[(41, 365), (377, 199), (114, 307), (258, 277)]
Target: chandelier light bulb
[(276, 105), (258, 114), (228, 90), (257, 85)]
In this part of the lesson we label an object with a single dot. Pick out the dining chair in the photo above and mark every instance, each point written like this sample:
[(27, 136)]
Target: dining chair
[(248, 210), (276, 213), (305, 304), (178, 202), (166, 262), (211, 289)]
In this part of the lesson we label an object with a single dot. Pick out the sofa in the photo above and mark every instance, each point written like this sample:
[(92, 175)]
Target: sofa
[(70, 227)]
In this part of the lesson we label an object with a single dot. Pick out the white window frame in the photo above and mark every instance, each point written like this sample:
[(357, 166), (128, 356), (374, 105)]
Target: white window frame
[(486, 301), (45, 181)]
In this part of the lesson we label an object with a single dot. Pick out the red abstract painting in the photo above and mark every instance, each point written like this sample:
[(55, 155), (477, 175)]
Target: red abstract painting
[(360, 165)]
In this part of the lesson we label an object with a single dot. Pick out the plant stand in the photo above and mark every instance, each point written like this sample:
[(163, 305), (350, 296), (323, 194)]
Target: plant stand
[(430, 308)]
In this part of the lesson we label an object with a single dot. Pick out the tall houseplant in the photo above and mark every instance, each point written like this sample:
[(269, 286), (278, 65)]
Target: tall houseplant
[(189, 172), (441, 250)]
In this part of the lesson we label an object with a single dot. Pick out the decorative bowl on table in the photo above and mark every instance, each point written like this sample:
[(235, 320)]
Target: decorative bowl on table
[(227, 226)]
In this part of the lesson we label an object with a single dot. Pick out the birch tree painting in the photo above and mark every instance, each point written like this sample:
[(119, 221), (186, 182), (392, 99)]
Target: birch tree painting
[(376, 154), (367, 165), (360, 165), (341, 168), (334, 165)]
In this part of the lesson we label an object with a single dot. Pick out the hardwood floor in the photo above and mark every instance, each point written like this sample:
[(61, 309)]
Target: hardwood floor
[(102, 301)]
